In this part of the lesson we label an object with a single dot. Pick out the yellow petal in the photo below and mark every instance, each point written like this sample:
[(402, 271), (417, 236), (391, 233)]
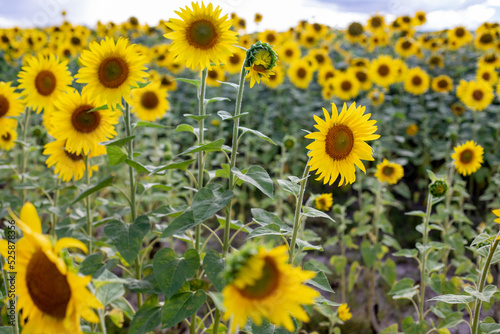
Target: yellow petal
[(70, 242), (30, 217)]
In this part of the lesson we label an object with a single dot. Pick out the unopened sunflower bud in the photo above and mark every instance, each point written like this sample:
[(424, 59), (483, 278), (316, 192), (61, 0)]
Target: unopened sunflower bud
[(438, 188), (259, 62), (289, 142)]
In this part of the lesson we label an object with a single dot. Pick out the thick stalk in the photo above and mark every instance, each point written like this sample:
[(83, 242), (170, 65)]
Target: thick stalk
[(88, 203), (444, 233), (423, 260), (482, 282), (372, 271), (342, 252), (56, 203), (25, 151)]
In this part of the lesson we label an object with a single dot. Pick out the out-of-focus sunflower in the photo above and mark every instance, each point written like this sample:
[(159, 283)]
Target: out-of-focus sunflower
[(389, 172), (309, 38), (201, 36), (325, 73), (376, 97), (43, 81), (7, 138), (477, 95), (354, 32), (361, 74), (376, 40), (406, 47), (412, 130), (270, 37), (436, 60), (340, 144), (167, 81), (376, 23), (214, 75), (110, 69), (383, 71), (344, 312), (359, 62), (420, 18), (150, 103), (327, 92), (321, 57), (346, 86), (405, 22), (245, 41), (289, 51), (10, 106), (467, 157), (260, 281), (442, 84), (460, 35), (401, 69), (457, 109), (487, 74), (82, 129), (234, 63), (489, 58), (300, 73), (257, 18), (484, 40), (319, 29), (417, 81), (323, 202), (275, 79)]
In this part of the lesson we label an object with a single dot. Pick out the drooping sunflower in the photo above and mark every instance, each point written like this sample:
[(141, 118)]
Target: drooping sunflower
[(82, 129), (10, 106), (477, 95), (150, 103), (323, 202), (467, 157), (52, 297), (417, 81), (7, 138), (389, 172), (201, 36), (442, 84), (340, 144), (346, 86), (261, 280), (43, 81), (110, 69), (68, 165), (383, 71), (289, 51), (300, 73)]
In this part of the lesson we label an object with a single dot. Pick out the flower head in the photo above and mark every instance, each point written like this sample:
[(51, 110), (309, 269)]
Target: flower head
[(468, 157), (344, 312), (259, 62), (389, 172)]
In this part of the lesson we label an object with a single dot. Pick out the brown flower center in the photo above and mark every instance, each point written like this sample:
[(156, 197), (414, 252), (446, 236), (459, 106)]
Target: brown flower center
[(5, 39), (406, 19), (289, 53), (339, 142), (271, 38), (416, 80), (486, 38), (376, 22), (202, 34), (383, 70), (406, 45), (301, 72), (235, 59), (74, 156), (317, 26), (361, 76), (443, 84), (310, 39), (265, 285), (4, 106), (45, 82), (76, 41), (47, 287), (84, 121), (477, 95), (113, 72), (466, 156), (149, 100), (459, 32), (355, 29), (486, 76), (320, 58), (6, 136), (259, 68), (213, 74), (388, 170), (346, 85)]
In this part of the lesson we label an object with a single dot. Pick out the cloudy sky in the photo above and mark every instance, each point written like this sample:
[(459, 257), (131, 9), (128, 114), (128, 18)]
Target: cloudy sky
[(278, 15)]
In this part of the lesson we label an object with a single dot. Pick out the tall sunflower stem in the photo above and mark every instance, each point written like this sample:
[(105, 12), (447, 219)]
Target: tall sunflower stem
[(16, 315), (88, 203), (446, 224), (56, 203), (25, 150), (298, 211), (423, 260), (372, 271), (234, 153), (482, 282)]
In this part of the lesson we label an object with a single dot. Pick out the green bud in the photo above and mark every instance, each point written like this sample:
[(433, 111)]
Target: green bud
[(289, 142), (259, 46), (438, 188), (168, 155)]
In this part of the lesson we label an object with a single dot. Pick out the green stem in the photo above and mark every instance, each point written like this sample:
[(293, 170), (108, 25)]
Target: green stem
[(5, 276), (371, 272), (423, 261), (88, 203), (56, 202), (482, 282), (342, 252), (444, 233), (25, 151)]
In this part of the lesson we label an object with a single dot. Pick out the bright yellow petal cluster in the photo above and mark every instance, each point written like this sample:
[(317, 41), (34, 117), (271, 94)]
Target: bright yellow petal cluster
[(344, 312), (468, 157), (323, 202), (417, 81), (389, 172), (150, 103)]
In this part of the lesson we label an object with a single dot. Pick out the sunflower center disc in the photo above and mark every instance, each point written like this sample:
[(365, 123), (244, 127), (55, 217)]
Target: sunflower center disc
[(265, 285), (320, 59), (346, 85), (259, 68), (45, 82), (466, 156), (460, 32), (361, 76), (388, 170), (202, 34), (486, 76), (6, 136), (355, 29), (376, 22), (339, 142), (4, 105), (149, 100), (329, 75), (234, 59), (213, 74), (73, 156), (301, 73), (406, 19), (486, 38), (442, 83), (75, 41), (113, 72), (310, 39), (85, 121), (477, 95), (406, 45), (383, 70), (271, 38), (289, 53), (5, 39), (317, 26), (416, 80), (47, 287)]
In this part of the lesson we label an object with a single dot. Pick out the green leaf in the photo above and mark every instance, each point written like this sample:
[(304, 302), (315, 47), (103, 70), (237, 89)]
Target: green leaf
[(270, 229), (142, 124), (290, 187), (338, 262), (117, 142), (404, 289), (258, 134), (228, 116), (305, 246), (411, 327), (417, 213), (116, 155), (353, 275), (431, 175), (207, 203), (216, 99), (388, 271), (140, 168), (107, 293), (195, 82), (181, 306), (127, 238), (184, 128), (6, 330), (172, 272), (197, 117), (485, 296), (258, 177), (180, 224), (313, 213), (453, 299), (451, 320), (213, 265), (490, 328), (408, 253), (320, 281), (183, 165), (210, 147), (103, 183), (147, 318), (104, 107), (91, 264), (230, 84), (392, 329), (368, 253)]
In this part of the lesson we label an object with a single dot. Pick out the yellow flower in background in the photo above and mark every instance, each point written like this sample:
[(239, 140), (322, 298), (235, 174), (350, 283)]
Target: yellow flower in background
[(457, 109), (7, 138), (496, 213), (289, 51), (487, 74), (10, 106), (460, 36), (346, 86), (82, 129), (150, 102), (420, 18), (436, 61), (43, 81), (340, 144), (51, 296), (489, 58), (406, 47), (442, 84), (326, 73), (300, 73), (354, 32), (389, 172), (257, 17), (234, 63), (376, 97), (383, 71), (484, 40), (467, 157), (376, 23), (275, 79), (412, 130), (214, 75), (109, 70), (265, 286), (201, 36), (323, 202), (476, 95), (359, 62), (344, 312), (362, 76), (417, 81)]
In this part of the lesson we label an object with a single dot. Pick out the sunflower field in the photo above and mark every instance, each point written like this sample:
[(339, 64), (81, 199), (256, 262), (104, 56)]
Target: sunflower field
[(192, 177)]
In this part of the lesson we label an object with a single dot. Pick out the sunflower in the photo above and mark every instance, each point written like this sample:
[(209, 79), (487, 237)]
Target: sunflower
[(10, 106), (82, 129), (275, 79), (323, 202), (326, 73), (270, 37), (346, 86), (257, 18), (344, 312), (420, 18), (457, 109), (476, 95), (485, 40), (376, 97), (68, 165), (376, 23), (406, 47), (487, 74), (360, 62), (44, 80), (321, 57), (7, 138), (383, 71), (110, 69), (245, 41), (401, 69), (354, 32), (168, 82), (376, 40), (52, 296), (436, 61), (362, 76), (201, 36), (262, 280), (412, 130), (489, 58), (417, 81), (442, 84), (340, 144), (459, 35), (309, 38), (233, 63), (389, 172), (214, 75), (300, 73), (467, 157), (150, 103), (289, 51)]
